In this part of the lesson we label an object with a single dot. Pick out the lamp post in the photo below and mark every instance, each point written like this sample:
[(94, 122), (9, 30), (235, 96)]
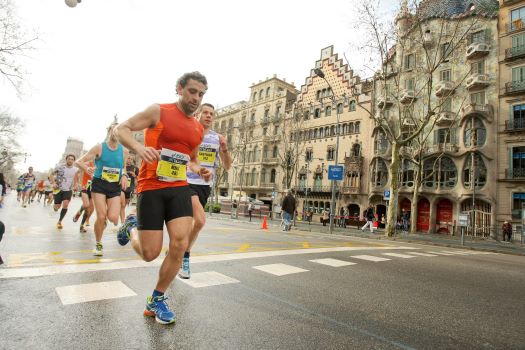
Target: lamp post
[(244, 141), (320, 74)]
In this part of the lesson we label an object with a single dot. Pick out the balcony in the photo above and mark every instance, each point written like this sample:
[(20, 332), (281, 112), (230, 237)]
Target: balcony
[(277, 118), (477, 50), (314, 190), (515, 174), (350, 189), (444, 88), (267, 185), (270, 161), (383, 102), (271, 138), (515, 26), (442, 148), (427, 39), (446, 118), (250, 123), (477, 81), (407, 96), (514, 52), (406, 151), (483, 110), (515, 125), (514, 87), (265, 120)]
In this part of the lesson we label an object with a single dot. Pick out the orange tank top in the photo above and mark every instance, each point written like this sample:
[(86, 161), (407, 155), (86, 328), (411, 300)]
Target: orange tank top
[(86, 177), (176, 135)]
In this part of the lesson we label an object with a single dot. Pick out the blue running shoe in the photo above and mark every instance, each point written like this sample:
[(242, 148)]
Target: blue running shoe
[(156, 306), (124, 230), (184, 272)]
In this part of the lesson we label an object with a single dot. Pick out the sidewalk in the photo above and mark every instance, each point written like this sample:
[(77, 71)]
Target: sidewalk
[(482, 244)]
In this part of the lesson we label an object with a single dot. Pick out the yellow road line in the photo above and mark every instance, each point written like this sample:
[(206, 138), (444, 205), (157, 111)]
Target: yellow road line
[(243, 248)]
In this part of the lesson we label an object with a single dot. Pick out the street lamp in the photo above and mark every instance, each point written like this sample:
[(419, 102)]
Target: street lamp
[(320, 74)]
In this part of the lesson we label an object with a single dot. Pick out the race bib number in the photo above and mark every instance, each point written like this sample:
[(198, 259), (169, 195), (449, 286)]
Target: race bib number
[(110, 174), (172, 166), (207, 154)]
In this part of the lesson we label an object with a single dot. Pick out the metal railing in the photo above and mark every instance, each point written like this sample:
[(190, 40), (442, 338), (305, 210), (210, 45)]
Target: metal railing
[(511, 125), (515, 51), (514, 87), (515, 173)]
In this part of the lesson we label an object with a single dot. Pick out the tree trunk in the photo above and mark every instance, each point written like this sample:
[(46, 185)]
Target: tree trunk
[(394, 190), (415, 198)]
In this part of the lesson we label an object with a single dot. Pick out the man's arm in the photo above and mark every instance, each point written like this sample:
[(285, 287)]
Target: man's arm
[(83, 162), (196, 168), (140, 121), (124, 180), (224, 154)]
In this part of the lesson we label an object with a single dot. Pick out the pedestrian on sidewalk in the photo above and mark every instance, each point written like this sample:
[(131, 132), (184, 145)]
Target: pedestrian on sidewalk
[(326, 217), (250, 209), (288, 209), (234, 209), (369, 216), (507, 231), (405, 218), (3, 189), (346, 214)]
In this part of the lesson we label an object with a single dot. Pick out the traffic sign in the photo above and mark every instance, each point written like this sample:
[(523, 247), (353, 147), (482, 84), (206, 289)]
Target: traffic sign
[(463, 220), (335, 172), (386, 195)]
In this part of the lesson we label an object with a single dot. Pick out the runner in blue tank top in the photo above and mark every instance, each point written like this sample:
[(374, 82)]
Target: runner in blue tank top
[(108, 181), (212, 148)]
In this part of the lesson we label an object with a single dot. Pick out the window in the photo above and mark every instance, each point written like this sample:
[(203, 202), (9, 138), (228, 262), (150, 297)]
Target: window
[(317, 113), (321, 132), (315, 133), (268, 92), (410, 84), (328, 111), (318, 94), (309, 155), (272, 176), (260, 94), (266, 113), (518, 116), (306, 115), (276, 129), (446, 106), (351, 129), (326, 131), (275, 152), (442, 136), (478, 172), (379, 173), (475, 132), (351, 106), (277, 111), (265, 131), (518, 202), (446, 51), (477, 67), (357, 127), (518, 75), (263, 175), (318, 181), (256, 154), (518, 162), (265, 151), (477, 37), (345, 128), (252, 117), (446, 75), (251, 134), (410, 61), (440, 173), (254, 96), (518, 42), (407, 173), (356, 150), (381, 142), (517, 18), (478, 98), (253, 179), (330, 153), (339, 108), (332, 130)]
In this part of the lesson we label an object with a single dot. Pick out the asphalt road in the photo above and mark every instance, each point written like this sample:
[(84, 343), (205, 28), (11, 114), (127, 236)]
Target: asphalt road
[(254, 289)]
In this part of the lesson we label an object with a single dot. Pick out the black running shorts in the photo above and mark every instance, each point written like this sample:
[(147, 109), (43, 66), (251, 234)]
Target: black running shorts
[(203, 191), (88, 192), (63, 196), (155, 207), (109, 189)]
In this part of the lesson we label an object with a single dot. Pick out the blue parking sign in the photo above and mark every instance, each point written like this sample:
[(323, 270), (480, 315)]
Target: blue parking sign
[(335, 172), (386, 195)]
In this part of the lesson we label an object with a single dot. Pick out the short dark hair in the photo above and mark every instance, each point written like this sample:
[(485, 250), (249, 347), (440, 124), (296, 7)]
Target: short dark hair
[(208, 105), (183, 80), (71, 155)]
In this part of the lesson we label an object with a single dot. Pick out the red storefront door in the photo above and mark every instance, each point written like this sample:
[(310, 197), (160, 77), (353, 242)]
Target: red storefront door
[(444, 215), (423, 215)]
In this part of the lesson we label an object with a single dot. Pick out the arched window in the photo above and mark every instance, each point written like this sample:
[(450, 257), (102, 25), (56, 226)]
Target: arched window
[(265, 151), (407, 173), (272, 176), (332, 130), (339, 108), (328, 111), (356, 150), (475, 132), (379, 173), (317, 113), (357, 127), (315, 133), (316, 206), (478, 172), (318, 94), (321, 132), (439, 173), (351, 106), (324, 93), (250, 156), (306, 115), (260, 94), (275, 152), (311, 136), (255, 154), (254, 96), (345, 128), (268, 92), (263, 175), (326, 131), (351, 128), (318, 181), (253, 180)]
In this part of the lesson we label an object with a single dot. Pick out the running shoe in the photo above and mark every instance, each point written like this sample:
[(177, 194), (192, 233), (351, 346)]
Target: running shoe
[(98, 249), (82, 229), (124, 230), (184, 272), (87, 222), (77, 215), (59, 225), (156, 306)]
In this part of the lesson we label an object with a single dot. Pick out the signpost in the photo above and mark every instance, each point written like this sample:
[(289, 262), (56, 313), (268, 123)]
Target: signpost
[(463, 222)]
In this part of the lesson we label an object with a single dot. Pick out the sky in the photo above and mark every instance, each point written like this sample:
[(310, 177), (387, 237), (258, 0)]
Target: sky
[(107, 57)]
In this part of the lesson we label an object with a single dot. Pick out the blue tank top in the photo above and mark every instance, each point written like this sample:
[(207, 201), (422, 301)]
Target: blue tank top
[(110, 163)]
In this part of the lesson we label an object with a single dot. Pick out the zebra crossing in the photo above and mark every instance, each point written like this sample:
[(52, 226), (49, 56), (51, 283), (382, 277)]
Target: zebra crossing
[(117, 289)]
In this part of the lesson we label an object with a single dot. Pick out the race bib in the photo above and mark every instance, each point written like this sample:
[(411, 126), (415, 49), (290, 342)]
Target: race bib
[(110, 174), (207, 154), (172, 166)]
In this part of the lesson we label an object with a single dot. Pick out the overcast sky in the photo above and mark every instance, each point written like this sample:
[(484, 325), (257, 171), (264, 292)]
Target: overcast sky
[(119, 56)]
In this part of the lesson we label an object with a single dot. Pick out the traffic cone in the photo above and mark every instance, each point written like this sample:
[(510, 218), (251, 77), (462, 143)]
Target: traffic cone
[(264, 223)]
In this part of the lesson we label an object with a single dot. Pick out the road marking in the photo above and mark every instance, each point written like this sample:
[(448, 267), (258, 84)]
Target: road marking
[(441, 253), (421, 254), (77, 268), (207, 279), (397, 255), (82, 293), (243, 248), (369, 258), (279, 269), (333, 262), (457, 252), (306, 245)]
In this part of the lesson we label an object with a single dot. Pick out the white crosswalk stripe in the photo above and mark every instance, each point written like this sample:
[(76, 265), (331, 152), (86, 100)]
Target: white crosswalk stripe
[(440, 253), (332, 262), (208, 279), (279, 269), (421, 254), (369, 258), (397, 255)]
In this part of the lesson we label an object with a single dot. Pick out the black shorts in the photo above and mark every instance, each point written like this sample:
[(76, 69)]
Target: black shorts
[(109, 189), (127, 193), (203, 191), (155, 207), (63, 196), (88, 192), (46, 193)]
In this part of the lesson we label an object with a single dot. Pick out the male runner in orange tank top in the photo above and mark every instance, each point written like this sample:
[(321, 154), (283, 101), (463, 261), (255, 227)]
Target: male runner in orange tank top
[(172, 137)]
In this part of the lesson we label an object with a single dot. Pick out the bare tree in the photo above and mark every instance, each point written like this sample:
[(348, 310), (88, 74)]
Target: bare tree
[(413, 96), (15, 44)]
